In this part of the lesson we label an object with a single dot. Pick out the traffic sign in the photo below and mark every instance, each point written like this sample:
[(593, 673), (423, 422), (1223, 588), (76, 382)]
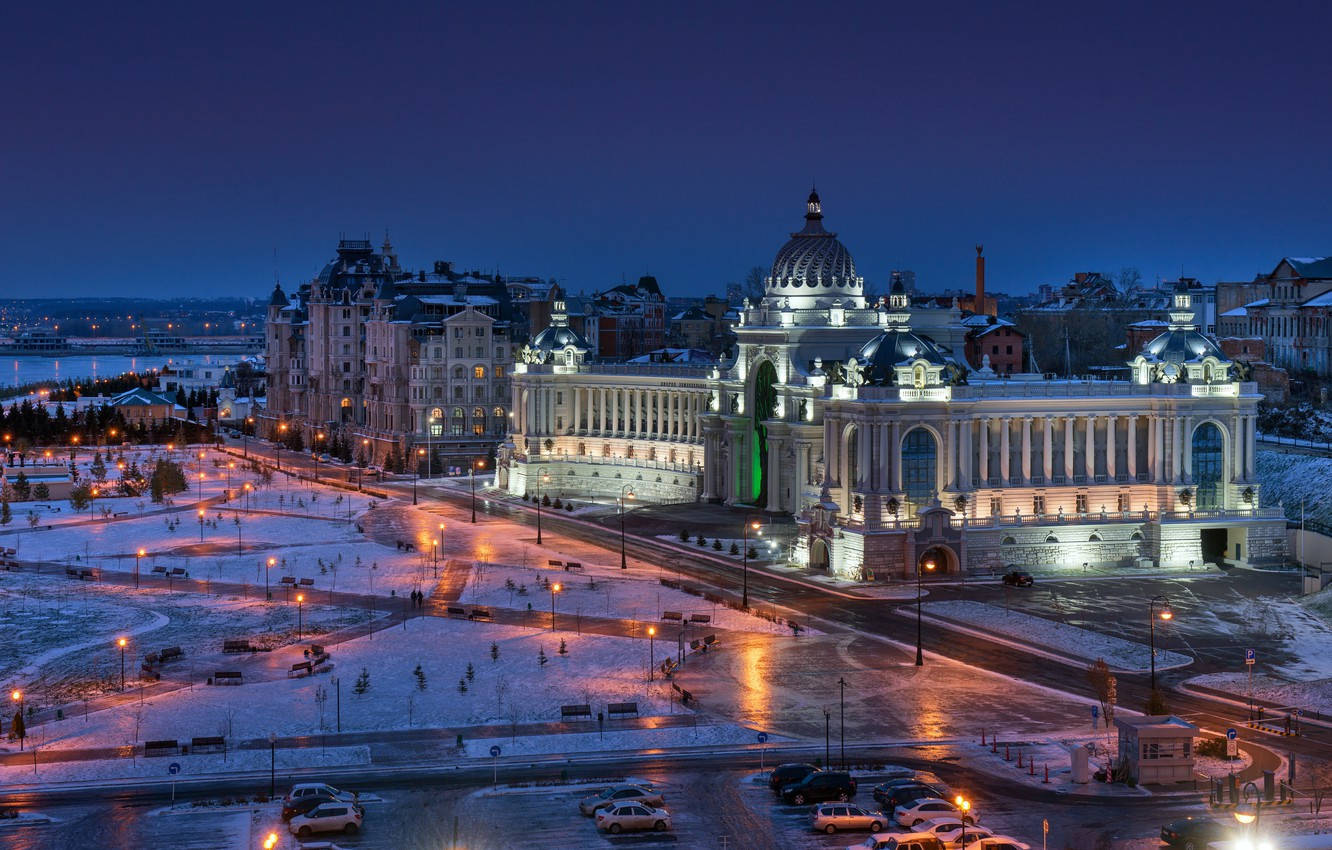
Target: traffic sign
[(495, 751), (1250, 656), (1232, 748), (763, 737), (173, 768), (1231, 734)]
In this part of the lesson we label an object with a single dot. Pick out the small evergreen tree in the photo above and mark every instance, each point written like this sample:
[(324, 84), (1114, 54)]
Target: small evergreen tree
[(17, 729), (494, 651), (22, 487), (702, 541), (420, 678), (41, 491), (735, 548), (541, 656), (564, 649), (471, 671), (362, 683), (462, 686), (80, 496), (717, 544), (753, 553), (6, 515), (684, 535), (98, 468), (545, 501)]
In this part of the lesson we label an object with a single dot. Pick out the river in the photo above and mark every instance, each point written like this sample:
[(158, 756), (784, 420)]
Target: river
[(28, 369)]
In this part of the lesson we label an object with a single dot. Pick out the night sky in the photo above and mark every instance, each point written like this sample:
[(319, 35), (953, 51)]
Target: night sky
[(171, 150)]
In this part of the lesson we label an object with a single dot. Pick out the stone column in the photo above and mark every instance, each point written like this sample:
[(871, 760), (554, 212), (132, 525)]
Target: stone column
[(709, 465), (774, 476), (1005, 450), (1131, 449), (984, 452), (1159, 473), (863, 459), (830, 462), (1047, 448), (1068, 449), (964, 458), (896, 453), (1179, 445), (1026, 450), (1250, 442), (1111, 467), (950, 478), (1089, 449)]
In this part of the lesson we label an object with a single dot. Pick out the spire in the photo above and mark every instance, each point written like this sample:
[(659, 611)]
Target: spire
[(813, 207)]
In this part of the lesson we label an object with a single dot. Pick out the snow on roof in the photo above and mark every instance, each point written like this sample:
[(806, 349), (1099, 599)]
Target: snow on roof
[(471, 300), (1324, 300), (1261, 302), (1237, 313)]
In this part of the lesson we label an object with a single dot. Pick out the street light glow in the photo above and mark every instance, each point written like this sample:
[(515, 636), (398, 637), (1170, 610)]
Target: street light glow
[(121, 643)]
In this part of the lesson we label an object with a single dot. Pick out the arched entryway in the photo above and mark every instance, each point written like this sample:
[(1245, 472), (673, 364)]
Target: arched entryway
[(943, 559), (818, 554), (1209, 460), (765, 405)]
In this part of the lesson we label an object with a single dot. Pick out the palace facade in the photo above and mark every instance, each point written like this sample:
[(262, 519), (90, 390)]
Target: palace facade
[(863, 420)]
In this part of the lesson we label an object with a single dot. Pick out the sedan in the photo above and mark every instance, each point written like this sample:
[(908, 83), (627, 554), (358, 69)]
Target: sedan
[(1019, 578), (996, 842), (620, 794), (328, 817), (919, 811), (1193, 833), (621, 817), (951, 830), (895, 792), (831, 817), (899, 841)]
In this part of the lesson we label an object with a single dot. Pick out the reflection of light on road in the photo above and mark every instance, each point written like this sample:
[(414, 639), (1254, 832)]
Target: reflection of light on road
[(756, 695), (930, 713)]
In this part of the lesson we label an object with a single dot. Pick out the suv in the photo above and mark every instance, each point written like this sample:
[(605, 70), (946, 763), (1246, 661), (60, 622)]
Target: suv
[(901, 795), (1193, 833), (788, 774), (820, 787), (923, 782)]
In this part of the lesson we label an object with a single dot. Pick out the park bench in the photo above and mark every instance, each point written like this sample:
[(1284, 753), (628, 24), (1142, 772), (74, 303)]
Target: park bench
[(154, 749), (171, 653), (208, 744), (239, 645), (9, 553), (621, 709), (668, 667), (479, 614), (695, 645), (672, 615), (307, 582), (90, 575), (568, 712), (685, 696), (316, 649), (572, 565), (709, 642), (120, 513), (288, 580), (179, 572), (159, 570), (554, 563), (457, 612), (227, 677), (299, 669), (700, 618)]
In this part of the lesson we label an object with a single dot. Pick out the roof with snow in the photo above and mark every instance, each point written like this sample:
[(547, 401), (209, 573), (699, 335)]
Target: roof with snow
[(1324, 300), (140, 397), (1320, 267), (1237, 313)]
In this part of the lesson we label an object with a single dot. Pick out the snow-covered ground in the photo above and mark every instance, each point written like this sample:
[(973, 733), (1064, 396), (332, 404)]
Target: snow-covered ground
[(236, 761), (1120, 654), (1294, 478), (701, 735)]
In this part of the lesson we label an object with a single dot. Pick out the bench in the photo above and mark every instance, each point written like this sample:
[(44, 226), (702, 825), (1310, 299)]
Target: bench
[(227, 677), (700, 618), (237, 646), (554, 563), (299, 669), (120, 513), (570, 711), (457, 612), (70, 571), (288, 580), (317, 649), (307, 582), (668, 667), (154, 749), (159, 570), (409, 547), (572, 565), (179, 572), (685, 696), (90, 575), (709, 642), (621, 709), (695, 645), (672, 615), (479, 614), (208, 744), (171, 653)]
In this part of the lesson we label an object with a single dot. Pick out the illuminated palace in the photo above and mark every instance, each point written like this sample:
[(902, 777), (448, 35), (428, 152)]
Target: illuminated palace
[(862, 419)]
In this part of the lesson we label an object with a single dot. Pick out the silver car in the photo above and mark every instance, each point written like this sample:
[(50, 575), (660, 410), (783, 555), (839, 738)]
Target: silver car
[(830, 817), (625, 817), (620, 794)]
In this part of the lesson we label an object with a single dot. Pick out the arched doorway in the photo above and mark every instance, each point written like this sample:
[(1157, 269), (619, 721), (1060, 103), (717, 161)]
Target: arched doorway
[(1208, 465), (941, 557), (765, 405), (920, 456), (818, 554)]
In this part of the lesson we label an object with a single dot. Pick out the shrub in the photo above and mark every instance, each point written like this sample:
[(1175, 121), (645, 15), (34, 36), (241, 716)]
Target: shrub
[(684, 535)]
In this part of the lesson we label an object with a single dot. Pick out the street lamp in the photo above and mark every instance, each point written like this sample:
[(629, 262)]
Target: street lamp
[(201, 520), (554, 589), (626, 492), (1248, 813), (927, 566), (300, 611), (841, 683), (268, 594), (247, 488), (121, 643), (17, 697), (416, 473), (360, 467), (963, 806), (541, 476), (272, 764), (1165, 614), (138, 556), (277, 445), (652, 653), (319, 436), (245, 437), (478, 463), (751, 522)]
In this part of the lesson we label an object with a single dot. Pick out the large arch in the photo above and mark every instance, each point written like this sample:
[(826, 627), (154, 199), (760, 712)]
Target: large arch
[(1209, 466), (765, 406), (920, 466), (818, 554)]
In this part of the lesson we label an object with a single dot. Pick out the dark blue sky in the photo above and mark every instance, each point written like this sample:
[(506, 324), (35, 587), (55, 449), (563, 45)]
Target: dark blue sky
[(164, 150)]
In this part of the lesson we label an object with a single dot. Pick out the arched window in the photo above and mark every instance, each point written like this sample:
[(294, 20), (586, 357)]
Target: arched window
[(1051, 539), (918, 376), (1135, 536), (478, 371), (479, 414), (1208, 465), (1008, 541), (920, 455), (1095, 538), (459, 372), (499, 411), (436, 422)]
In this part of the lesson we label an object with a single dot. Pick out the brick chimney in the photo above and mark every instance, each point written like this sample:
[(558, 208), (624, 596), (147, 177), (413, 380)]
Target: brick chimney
[(980, 306)]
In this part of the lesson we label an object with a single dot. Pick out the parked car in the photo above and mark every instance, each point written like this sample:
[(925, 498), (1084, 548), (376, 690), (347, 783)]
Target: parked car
[(1019, 578), (620, 794), (918, 811), (900, 841), (820, 787), (292, 808), (996, 842), (623, 817), (895, 792), (316, 789), (831, 817), (788, 774), (950, 829), (328, 817), (1193, 833)]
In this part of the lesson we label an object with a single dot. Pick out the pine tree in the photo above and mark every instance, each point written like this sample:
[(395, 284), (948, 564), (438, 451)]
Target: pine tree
[(420, 678), (41, 491), (494, 651), (362, 683), (471, 671), (541, 656), (6, 515), (462, 686), (564, 650), (17, 729)]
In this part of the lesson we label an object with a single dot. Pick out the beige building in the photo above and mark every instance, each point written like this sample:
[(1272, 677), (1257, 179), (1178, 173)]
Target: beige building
[(1156, 750)]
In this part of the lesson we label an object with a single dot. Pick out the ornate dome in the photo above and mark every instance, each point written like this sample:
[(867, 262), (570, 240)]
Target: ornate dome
[(894, 347), (813, 262), (555, 337), (1182, 345)]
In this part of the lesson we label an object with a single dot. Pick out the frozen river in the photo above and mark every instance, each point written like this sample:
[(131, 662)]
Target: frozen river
[(17, 371)]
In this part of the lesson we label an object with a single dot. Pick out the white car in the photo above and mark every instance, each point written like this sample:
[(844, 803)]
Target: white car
[(328, 817), (899, 841), (625, 817), (996, 842), (317, 789), (950, 831), (830, 817), (919, 811)]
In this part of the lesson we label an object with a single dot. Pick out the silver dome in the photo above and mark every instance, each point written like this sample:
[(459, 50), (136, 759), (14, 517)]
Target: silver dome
[(893, 348), (556, 337), (813, 259), (1182, 345)]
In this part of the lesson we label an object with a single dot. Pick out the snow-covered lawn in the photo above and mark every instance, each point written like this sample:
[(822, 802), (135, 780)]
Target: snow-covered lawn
[(1294, 478), (516, 687), (619, 740), (1120, 654)]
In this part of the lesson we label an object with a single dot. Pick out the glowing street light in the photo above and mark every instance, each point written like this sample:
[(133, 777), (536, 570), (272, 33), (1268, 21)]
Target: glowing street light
[(201, 523), (927, 566), (300, 612), (963, 807), (1165, 614), (17, 698), (476, 464), (554, 589), (416, 473), (138, 556), (744, 538), (626, 492), (541, 477), (268, 594), (652, 653), (121, 643)]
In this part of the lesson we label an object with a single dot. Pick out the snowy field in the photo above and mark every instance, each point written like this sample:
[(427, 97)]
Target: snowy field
[(620, 740), (1294, 478), (14, 777), (1120, 654)]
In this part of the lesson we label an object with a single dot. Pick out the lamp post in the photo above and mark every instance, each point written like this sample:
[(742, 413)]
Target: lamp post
[(1166, 614), (841, 683), (17, 697), (554, 589), (652, 653), (300, 612), (921, 568), (319, 436), (230, 466), (434, 555), (750, 522), (479, 462), (541, 476), (416, 473), (272, 764), (365, 458), (277, 445), (201, 521), (1248, 813), (202, 476), (138, 556), (963, 807), (268, 594), (626, 492), (247, 489), (245, 437), (121, 643)]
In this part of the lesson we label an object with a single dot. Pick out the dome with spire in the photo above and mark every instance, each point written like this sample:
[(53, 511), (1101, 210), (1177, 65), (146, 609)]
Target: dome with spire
[(813, 264), (1182, 354)]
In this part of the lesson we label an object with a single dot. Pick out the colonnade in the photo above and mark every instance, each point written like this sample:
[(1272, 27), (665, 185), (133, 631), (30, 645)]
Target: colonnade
[(607, 411)]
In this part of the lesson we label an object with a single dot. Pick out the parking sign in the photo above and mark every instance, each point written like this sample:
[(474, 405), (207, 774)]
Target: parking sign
[(1250, 656)]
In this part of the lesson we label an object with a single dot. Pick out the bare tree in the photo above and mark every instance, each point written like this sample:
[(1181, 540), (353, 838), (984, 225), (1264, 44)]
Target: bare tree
[(755, 284), (1105, 687), (1129, 278)]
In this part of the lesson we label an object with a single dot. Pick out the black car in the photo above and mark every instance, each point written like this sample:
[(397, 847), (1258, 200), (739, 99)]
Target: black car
[(1193, 833), (788, 774), (821, 787), (883, 793), (904, 794), (1019, 578), (304, 804)]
